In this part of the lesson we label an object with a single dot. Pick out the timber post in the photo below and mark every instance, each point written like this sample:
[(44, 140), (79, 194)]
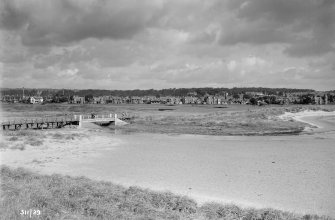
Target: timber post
[(80, 121), (115, 118)]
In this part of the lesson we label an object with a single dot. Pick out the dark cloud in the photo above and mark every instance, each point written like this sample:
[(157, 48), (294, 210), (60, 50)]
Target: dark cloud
[(309, 48), (11, 16), (14, 58), (306, 26), (253, 34), (57, 22), (280, 11)]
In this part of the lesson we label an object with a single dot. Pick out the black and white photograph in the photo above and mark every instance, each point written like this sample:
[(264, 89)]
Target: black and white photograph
[(167, 109)]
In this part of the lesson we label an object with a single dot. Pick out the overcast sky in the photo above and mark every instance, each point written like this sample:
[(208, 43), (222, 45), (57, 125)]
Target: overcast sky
[(121, 44)]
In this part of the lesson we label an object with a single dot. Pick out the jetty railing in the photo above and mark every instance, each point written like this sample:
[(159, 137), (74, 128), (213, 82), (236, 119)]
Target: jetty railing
[(92, 116), (60, 121)]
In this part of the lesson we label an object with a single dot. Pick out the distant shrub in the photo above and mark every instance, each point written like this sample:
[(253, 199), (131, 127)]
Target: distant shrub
[(19, 147), (3, 145), (71, 136), (24, 133), (13, 138), (57, 136), (34, 142), (218, 211)]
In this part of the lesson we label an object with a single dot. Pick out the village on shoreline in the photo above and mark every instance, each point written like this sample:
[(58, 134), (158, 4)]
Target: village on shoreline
[(205, 96)]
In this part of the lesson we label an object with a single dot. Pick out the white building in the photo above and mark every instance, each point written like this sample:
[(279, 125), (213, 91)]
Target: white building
[(35, 100)]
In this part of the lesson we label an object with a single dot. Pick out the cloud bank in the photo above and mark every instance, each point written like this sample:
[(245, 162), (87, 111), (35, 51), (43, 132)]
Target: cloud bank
[(129, 44)]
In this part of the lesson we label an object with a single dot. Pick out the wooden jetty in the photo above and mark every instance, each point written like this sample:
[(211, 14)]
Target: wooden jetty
[(60, 122)]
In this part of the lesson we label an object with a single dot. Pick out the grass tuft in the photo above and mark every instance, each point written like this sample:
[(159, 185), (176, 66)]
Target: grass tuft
[(13, 138), (34, 142), (18, 147), (71, 136)]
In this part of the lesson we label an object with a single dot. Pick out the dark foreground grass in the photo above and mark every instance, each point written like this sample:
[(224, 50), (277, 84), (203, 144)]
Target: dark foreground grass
[(64, 197)]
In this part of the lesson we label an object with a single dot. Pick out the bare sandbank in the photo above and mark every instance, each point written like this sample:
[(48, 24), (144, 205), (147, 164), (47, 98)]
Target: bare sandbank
[(318, 121)]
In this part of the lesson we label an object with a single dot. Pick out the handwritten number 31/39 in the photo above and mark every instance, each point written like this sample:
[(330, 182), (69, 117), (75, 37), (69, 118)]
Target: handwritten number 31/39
[(30, 212)]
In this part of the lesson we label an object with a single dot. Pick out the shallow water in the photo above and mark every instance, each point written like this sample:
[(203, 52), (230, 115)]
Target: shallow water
[(294, 173)]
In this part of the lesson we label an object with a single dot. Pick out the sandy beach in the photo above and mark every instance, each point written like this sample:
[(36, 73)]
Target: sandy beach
[(318, 121), (293, 173)]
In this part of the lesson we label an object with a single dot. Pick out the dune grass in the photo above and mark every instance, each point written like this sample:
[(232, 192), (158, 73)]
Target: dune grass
[(64, 197), (233, 120), (22, 139), (66, 136), (247, 122)]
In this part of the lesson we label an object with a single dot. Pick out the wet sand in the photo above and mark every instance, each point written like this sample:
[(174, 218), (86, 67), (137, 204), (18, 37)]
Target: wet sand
[(294, 173)]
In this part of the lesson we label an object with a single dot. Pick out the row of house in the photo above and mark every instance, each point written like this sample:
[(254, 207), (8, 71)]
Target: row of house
[(321, 99), (192, 98), (209, 100), (225, 98), (17, 99)]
